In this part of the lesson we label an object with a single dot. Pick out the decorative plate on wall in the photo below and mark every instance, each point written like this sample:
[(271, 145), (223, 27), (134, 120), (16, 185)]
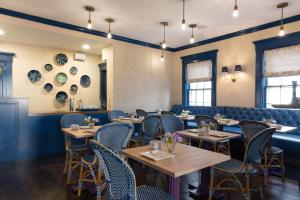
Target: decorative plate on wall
[(48, 87), (73, 70), (61, 97), (74, 88), (61, 59), (85, 81), (61, 78), (34, 75), (48, 67)]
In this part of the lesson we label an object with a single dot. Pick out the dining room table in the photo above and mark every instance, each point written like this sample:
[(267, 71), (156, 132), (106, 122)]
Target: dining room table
[(187, 159), (81, 132), (130, 120)]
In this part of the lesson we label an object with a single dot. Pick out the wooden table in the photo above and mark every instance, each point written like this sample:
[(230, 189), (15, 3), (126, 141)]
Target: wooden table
[(188, 159), (228, 122), (81, 133), (129, 120), (209, 138), (285, 129)]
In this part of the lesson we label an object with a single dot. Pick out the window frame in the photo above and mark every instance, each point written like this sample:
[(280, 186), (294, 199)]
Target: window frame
[(204, 56), (261, 46)]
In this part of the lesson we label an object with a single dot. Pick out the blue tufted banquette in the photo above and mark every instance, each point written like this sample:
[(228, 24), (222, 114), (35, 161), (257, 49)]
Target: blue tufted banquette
[(290, 142)]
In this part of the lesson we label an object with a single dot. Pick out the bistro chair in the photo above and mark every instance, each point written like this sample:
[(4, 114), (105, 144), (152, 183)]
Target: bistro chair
[(222, 147), (73, 150), (120, 181), (151, 128), (167, 113), (171, 124), (237, 173), (116, 114), (141, 113), (114, 136)]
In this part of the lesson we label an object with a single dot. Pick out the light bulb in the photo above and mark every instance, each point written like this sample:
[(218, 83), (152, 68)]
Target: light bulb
[(89, 25), (164, 45), (235, 12), (162, 58), (2, 32), (192, 40), (183, 25), (109, 36), (281, 32), (86, 46)]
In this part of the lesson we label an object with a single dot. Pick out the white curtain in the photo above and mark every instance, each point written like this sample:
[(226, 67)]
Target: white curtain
[(282, 62), (199, 71)]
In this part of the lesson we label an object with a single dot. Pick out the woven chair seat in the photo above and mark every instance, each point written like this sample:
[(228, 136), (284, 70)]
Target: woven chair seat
[(233, 166), (151, 193)]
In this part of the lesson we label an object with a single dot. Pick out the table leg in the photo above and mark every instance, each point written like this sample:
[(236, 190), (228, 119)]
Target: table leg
[(174, 187)]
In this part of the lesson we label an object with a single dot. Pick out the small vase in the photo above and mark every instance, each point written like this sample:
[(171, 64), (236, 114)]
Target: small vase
[(91, 125), (171, 148)]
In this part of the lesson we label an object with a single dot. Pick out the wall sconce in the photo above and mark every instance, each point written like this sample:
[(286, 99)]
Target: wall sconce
[(234, 76)]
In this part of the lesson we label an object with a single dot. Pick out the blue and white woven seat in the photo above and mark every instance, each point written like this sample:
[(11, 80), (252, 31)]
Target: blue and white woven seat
[(116, 114), (171, 123)]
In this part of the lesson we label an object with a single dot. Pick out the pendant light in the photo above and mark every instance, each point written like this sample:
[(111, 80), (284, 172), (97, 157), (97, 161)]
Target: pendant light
[(192, 26), (281, 6), (109, 21), (235, 9), (89, 9), (183, 24), (162, 56), (164, 44)]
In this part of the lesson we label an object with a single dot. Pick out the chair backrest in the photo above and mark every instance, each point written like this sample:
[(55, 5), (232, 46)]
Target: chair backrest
[(257, 146), (73, 118), (119, 177), (141, 113), (167, 113), (115, 136), (250, 128), (207, 120), (115, 114), (171, 123), (150, 125)]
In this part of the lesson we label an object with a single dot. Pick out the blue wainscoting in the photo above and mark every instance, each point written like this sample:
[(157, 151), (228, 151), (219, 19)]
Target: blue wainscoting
[(28, 137)]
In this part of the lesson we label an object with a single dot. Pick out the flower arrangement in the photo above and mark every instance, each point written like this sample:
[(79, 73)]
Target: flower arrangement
[(219, 116), (170, 140), (91, 121)]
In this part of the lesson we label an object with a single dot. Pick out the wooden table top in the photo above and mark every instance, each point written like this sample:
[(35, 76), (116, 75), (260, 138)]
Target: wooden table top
[(129, 120), (209, 137), (286, 129), (188, 159), (81, 133), (186, 118), (228, 122)]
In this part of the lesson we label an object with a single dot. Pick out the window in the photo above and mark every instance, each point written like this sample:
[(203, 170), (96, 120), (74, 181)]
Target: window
[(281, 68), (199, 83)]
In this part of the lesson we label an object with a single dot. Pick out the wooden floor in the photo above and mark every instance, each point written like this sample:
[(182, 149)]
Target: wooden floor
[(43, 180)]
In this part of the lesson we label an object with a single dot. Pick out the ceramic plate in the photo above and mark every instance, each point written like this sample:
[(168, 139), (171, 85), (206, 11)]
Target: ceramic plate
[(61, 78), (85, 81), (48, 67), (73, 70), (61, 97), (34, 75), (48, 87), (74, 88), (61, 59)]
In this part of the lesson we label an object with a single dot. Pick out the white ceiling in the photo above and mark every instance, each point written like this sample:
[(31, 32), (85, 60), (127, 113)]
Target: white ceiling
[(139, 19)]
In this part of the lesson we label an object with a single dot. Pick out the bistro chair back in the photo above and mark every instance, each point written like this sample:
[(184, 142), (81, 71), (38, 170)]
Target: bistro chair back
[(167, 113), (250, 128), (115, 136), (119, 178), (151, 127), (116, 114), (141, 113), (171, 123), (204, 119)]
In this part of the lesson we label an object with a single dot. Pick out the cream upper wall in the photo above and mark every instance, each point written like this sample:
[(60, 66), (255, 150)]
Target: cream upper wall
[(237, 50), (28, 57), (140, 79)]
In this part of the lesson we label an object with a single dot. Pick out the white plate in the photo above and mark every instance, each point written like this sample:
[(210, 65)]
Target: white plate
[(157, 155), (84, 127)]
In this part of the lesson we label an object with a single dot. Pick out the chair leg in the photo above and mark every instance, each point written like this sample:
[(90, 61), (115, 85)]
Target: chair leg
[(282, 167), (247, 194), (69, 178), (211, 186), (266, 169), (80, 179), (228, 147), (66, 162), (99, 182)]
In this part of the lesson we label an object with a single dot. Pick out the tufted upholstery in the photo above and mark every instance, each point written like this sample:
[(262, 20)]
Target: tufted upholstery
[(198, 110)]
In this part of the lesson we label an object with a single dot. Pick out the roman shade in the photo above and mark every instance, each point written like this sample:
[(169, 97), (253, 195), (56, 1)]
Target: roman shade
[(199, 71), (282, 62)]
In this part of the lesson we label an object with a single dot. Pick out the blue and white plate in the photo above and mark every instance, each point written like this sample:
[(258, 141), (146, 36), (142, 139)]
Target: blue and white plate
[(48, 87), (34, 75), (73, 70), (74, 88), (48, 67), (61, 59), (62, 97), (61, 78), (85, 81)]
